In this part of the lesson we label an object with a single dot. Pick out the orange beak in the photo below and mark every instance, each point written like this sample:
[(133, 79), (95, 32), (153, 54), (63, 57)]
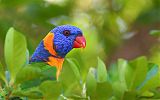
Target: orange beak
[(79, 42)]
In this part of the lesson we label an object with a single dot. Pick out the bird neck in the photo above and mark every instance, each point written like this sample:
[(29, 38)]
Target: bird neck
[(48, 44), (54, 59)]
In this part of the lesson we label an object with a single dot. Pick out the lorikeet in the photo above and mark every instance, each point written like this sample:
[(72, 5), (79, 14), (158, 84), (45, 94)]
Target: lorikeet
[(54, 47)]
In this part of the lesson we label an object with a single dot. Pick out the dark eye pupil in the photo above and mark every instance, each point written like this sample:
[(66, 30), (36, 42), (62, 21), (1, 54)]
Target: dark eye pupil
[(66, 33)]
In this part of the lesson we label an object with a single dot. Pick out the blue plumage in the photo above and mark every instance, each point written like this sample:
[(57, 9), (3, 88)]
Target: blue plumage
[(40, 54)]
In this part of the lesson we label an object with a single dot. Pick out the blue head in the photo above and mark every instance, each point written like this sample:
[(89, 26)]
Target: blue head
[(67, 37)]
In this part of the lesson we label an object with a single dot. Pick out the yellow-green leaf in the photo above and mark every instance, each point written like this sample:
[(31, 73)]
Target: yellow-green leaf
[(101, 71), (91, 83), (2, 73), (51, 90), (15, 52)]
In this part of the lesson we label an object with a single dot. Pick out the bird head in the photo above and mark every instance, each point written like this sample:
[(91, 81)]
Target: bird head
[(67, 37), (58, 42)]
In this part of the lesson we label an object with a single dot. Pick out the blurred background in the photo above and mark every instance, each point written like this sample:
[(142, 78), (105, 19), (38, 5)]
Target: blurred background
[(113, 28)]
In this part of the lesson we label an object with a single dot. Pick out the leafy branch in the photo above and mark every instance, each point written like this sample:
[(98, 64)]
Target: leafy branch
[(124, 80)]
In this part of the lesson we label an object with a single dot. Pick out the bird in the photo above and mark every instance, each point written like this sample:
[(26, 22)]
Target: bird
[(57, 44)]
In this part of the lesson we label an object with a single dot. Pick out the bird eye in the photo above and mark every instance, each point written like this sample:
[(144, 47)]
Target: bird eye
[(66, 32)]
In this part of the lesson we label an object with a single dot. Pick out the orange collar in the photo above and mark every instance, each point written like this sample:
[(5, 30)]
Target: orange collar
[(57, 62), (53, 60), (48, 43)]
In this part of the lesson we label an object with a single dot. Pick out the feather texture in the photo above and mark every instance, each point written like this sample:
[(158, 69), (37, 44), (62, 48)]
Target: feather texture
[(54, 47)]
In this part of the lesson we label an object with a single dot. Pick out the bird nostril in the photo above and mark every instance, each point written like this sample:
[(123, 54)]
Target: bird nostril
[(79, 34)]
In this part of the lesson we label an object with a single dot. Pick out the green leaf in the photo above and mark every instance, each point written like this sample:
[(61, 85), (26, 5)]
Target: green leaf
[(129, 95), (51, 90), (103, 91), (152, 79), (98, 91), (2, 73), (146, 94), (73, 64), (120, 85), (32, 93), (29, 72), (91, 83), (101, 71), (30, 83), (15, 52), (48, 72), (34, 74), (34, 71), (70, 79), (73, 90), (155, 32), (136, 72), (113, 73), (122, 66)]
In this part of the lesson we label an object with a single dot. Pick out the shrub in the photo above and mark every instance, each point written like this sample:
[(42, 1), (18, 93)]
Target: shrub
[(124, 80)]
